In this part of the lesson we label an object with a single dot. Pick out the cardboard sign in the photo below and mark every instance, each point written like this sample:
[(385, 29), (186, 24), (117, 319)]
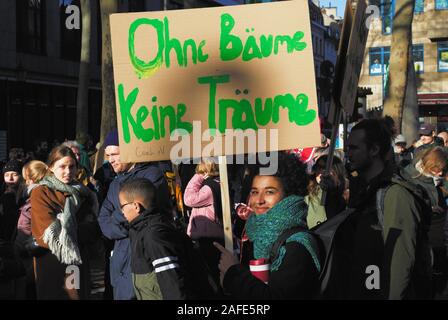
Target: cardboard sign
[(214, 81), (333, 117), (355, 58)]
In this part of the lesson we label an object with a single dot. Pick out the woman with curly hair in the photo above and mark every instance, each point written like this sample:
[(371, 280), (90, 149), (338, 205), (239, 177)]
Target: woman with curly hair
[(277, 202)]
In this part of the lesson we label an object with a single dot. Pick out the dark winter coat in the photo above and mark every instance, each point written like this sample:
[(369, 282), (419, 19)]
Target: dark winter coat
[(115, 227), (296, 278), (393, 241), (163, 261)]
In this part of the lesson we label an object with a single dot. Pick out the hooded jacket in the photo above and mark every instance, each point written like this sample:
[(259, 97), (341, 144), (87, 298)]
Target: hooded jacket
[(163, 262), (438, 233), (393, 241)]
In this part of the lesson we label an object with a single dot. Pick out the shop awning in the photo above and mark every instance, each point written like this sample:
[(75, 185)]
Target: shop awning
[(431, 99)]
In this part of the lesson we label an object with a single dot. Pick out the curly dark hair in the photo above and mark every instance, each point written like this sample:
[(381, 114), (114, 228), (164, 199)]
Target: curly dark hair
[(292, 173)]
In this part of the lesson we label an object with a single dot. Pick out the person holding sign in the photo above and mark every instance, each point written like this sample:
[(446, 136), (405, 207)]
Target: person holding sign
[(278, 205)]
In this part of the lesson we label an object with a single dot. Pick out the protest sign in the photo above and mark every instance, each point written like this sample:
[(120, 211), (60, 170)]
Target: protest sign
[(184, 77)]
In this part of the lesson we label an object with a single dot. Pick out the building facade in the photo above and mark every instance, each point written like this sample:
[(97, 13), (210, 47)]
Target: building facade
[(429, 51)]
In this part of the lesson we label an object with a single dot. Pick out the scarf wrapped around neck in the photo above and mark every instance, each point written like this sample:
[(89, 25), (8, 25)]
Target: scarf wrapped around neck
[(438, 181), (61, 236), (264, 229)]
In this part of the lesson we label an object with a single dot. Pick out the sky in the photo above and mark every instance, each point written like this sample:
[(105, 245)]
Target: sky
[(339, 3)]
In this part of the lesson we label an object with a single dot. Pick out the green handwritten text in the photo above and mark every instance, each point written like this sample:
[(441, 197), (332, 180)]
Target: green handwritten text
[(245, 116), (165, 45), (159, 116), (232, 47)]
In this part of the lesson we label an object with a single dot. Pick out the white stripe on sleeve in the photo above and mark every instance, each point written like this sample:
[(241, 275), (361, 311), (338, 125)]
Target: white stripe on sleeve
[(166, 267), (163, 260)]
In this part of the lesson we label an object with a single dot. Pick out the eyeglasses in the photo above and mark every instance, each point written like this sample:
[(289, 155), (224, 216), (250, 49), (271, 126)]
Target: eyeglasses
[(124, 205)]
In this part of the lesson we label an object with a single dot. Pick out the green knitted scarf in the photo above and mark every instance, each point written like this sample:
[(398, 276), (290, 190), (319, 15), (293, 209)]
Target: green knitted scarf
[(61, 235), (264, 229)]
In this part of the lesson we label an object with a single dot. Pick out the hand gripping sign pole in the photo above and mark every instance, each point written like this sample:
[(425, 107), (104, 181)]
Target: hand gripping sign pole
[(225, 200)]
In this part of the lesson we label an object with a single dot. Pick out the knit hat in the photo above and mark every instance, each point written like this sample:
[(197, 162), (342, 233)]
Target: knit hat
[(13, 165), (400, 139), (111, 138)]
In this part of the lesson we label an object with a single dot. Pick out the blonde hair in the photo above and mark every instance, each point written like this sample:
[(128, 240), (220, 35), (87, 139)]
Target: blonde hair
[(34, 170), (208, 166), (434, 158)]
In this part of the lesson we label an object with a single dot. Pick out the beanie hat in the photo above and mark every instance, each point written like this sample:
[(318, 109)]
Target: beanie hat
[(400, 139), (13, 165), (111, 138)]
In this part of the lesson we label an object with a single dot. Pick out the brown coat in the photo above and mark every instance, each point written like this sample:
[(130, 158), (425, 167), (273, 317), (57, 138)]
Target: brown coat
[(51, 275), (47, 203)]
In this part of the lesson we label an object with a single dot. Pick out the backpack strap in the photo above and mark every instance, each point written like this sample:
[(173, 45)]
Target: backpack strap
[(216, 192), (380, 195), (282, 239)]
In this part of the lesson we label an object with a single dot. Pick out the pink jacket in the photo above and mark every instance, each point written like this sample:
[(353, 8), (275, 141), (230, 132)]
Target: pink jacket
[(202, 220), (24, 223)]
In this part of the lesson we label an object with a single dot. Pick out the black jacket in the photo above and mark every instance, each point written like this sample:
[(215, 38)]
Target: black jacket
[(113, 225), (438, 232), (156, 246), (296, 278)]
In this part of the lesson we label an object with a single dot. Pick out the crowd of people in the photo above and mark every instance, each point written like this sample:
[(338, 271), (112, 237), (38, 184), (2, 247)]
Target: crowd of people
[(160, 226)]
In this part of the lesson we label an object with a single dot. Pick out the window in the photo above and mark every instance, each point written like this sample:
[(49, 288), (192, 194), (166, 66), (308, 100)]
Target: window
[(442, 55), (379, 60), (99, 34), (31, 26), (387, 10), (417, 54), (136, 5), (387, 14), (441, 4), (174, 4), (419, 6)]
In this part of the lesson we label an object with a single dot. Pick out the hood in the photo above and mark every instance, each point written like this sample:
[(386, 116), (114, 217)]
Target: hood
[(152, 167), (147, 217)]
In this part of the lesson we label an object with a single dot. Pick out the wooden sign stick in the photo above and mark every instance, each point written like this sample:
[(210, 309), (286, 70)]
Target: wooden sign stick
[(225, 200)]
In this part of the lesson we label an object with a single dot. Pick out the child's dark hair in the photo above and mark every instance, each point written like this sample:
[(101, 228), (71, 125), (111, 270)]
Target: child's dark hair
[(292, 173), (141, 189)]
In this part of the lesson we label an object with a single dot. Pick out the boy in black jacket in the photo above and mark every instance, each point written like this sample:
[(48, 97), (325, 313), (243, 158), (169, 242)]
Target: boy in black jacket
[(164, 263)]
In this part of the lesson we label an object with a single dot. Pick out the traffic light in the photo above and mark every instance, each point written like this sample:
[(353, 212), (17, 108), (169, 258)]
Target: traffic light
[(325, 82)]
